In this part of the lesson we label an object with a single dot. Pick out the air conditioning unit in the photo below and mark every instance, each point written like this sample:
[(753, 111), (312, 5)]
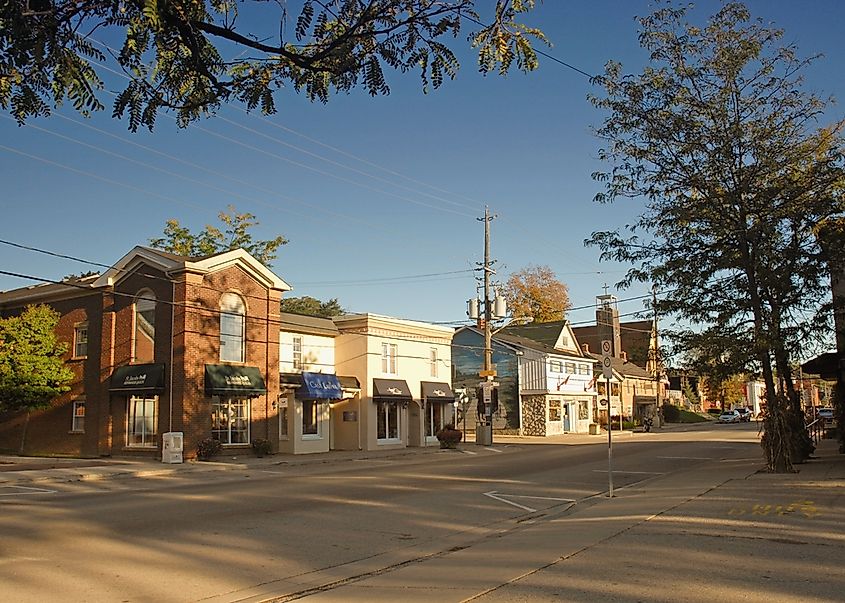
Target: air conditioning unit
[(171, 447)]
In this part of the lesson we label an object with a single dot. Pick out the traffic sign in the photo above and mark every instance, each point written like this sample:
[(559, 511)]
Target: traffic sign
[(606, 362)]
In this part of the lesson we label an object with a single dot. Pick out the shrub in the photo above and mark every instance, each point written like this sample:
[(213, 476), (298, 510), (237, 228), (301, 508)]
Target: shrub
[(261, 447), (207, 448), (449, 437), (671, 413)]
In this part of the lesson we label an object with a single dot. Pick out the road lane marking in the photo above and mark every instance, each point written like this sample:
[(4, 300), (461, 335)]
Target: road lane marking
[(28, 490), (493, 449), (468, 452), (504, 498), (688, 458), (637, 472)]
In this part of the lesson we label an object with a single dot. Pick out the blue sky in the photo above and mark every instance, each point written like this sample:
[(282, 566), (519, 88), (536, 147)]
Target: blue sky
[(370, 191)]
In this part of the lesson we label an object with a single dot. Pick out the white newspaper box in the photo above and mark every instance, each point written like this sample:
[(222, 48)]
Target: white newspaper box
[(171, 447)]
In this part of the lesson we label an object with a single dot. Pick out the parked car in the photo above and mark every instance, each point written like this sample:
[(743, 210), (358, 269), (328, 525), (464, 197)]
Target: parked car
[(729, 416), (744, 414)]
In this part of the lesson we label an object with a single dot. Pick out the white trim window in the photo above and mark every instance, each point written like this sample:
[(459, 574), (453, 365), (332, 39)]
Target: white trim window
[(142, 422), (144, 335), (77, 423), (311, 423), (283, 419), (230, 420), (555, 366), (297, 353), (232, 311), (388, 416), (80, 340), (569, 368), (389, 359), (432, 355)]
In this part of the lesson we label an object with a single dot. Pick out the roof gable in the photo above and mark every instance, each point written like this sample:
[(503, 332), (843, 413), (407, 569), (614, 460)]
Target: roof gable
[(171, 263)]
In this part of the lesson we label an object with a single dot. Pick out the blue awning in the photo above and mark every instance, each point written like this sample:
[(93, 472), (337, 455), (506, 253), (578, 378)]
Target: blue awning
[(320, 386)]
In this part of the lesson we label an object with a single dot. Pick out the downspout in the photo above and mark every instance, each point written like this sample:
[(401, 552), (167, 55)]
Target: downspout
[(267, 370), (172, 340)]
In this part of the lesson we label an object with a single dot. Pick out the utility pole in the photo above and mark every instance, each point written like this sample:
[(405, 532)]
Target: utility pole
[(488, 315), (488, 395)]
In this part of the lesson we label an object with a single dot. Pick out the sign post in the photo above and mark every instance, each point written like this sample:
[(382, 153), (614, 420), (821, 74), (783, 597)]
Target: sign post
[(607, 373)]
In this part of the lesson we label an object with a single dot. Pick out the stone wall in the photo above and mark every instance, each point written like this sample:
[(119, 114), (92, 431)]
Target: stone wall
[(534, 416)]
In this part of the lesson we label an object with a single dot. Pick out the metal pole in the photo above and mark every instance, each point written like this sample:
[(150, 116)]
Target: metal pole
[(488, 315), (609, 445), (656, 360)]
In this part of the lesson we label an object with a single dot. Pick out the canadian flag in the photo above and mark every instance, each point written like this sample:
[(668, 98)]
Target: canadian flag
[(590, 384), (564, 382)]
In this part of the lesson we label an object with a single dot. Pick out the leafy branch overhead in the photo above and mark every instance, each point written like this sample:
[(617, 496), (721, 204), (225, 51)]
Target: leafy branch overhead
[(192, 56)]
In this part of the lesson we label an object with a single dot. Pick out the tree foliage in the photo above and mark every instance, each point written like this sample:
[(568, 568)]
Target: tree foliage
[(722, 146), (536, 292), (235, 234), (311, 306), (32, 369), (191, 56)]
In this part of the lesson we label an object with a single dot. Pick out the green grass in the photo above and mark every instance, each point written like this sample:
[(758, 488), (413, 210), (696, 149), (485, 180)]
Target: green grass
[(686, 416)]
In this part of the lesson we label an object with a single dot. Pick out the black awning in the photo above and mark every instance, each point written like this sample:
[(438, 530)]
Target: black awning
[(349, 382), (434, 391), (825, 366), (138, 378), (391, 390), (233, 380)]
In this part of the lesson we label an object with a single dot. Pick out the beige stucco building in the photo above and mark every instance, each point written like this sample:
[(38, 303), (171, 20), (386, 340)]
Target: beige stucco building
[(404, 369)]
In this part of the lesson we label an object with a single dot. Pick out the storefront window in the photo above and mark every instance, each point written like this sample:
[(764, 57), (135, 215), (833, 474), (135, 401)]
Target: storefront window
[(388, 421), (142, 419), (554, 410), (283, 419), (230, 420), (310, 419), (583, 410), (433, 418)]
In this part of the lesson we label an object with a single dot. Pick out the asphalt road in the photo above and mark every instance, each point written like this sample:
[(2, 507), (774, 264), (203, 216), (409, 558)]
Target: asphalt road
[(300, 531)]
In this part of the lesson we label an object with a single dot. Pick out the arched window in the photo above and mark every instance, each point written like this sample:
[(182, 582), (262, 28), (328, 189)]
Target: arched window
[(232, 312), (145, 328)]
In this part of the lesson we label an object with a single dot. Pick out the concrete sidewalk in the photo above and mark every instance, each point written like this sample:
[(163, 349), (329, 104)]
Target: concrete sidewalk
[(20, 470)]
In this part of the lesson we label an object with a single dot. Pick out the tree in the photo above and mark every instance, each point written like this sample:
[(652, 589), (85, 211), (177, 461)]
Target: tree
[(235, 235), (32, 369), (722, 146), (193, 56), (536, 292), (311, 306)]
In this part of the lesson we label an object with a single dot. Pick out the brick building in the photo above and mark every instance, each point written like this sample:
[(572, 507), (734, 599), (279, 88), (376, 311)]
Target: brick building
[(159, 343)]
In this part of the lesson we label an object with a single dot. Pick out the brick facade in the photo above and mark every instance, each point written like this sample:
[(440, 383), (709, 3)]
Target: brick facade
[(188, 295)]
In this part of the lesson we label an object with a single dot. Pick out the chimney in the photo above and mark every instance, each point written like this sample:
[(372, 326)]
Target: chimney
[(585, 347), (624, 356)]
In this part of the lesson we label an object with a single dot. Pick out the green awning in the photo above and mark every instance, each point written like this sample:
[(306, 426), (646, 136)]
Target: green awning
[(233, 380), (138, 378)]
